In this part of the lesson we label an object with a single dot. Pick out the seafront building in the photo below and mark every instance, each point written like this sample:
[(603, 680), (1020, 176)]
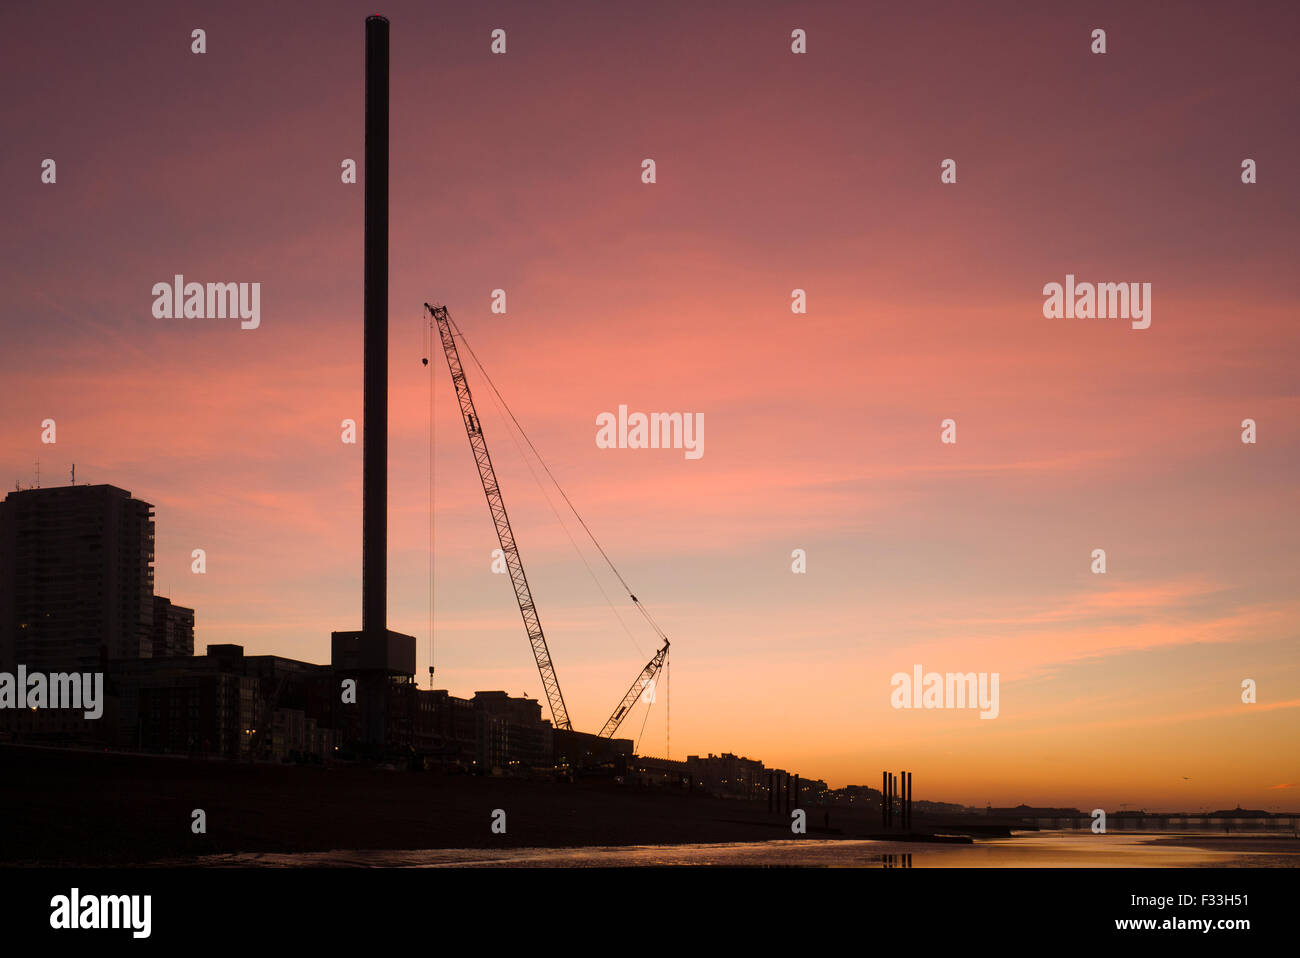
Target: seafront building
[(76, 578)]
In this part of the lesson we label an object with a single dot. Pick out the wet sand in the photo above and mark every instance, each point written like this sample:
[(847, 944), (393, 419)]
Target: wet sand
[(63, 807), (1069, 850)]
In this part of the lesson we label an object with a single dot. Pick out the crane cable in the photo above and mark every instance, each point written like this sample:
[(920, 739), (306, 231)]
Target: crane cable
[(427, 328), (636, 746), (635, 601), (555, 512)]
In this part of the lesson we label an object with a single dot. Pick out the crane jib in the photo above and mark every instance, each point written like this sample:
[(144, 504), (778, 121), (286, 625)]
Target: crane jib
[(500, 519)]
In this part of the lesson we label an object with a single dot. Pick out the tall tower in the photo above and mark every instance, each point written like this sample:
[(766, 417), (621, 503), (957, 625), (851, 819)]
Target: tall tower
[(374, 478), (380, 661)]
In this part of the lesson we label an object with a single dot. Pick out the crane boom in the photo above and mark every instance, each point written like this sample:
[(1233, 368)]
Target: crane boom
[(515, 566), (647, 676)]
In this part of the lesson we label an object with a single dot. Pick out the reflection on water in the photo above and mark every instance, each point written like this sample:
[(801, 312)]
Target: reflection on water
[(1028, 850)]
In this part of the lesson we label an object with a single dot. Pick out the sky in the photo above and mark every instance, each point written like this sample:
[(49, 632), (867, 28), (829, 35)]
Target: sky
[(775, 171)]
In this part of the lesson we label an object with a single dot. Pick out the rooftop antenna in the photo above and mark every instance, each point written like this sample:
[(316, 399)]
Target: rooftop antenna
[(38, 473), (74, 473)]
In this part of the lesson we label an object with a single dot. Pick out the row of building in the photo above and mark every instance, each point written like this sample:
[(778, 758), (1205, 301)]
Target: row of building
[(229, 705), (76, 595)]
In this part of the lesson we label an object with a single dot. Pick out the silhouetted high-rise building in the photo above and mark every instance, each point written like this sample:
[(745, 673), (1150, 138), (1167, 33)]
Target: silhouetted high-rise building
[(76, 578), (173, 629)]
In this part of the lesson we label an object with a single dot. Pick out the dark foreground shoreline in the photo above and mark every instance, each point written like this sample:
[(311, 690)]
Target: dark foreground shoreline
[(63, 807)]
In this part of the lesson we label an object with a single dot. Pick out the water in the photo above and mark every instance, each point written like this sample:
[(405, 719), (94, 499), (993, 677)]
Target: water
[(1028, 850)]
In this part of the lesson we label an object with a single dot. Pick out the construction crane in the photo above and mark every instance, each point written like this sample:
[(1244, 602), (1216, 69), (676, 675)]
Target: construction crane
[(515, 566), (647, 676), (448, 332)]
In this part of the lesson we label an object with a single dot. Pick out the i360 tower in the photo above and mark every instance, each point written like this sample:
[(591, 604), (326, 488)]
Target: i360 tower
[(380, 660)]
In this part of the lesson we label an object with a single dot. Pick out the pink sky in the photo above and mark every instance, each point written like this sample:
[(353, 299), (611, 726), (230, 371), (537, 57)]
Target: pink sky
[(775, 171)]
